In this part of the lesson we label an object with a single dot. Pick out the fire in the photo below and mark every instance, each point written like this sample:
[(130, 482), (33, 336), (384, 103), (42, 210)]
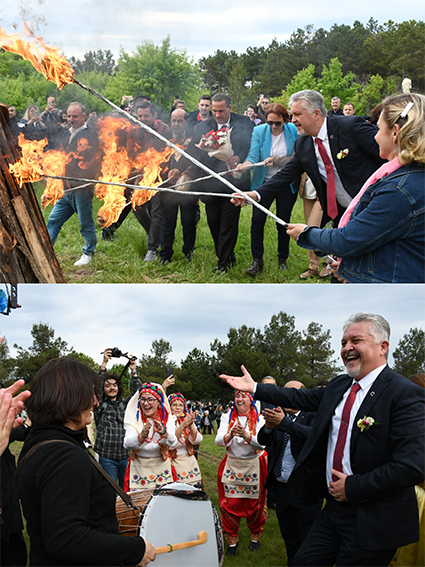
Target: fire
[(46, 60), (150, 161), (117, 166)]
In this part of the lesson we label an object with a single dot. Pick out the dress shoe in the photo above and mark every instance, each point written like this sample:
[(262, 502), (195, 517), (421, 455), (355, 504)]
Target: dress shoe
[(282, 264), (310, 273), (256, 267), (254, 545), (271, 505), (231, 550), (163, 262), (325, 272), (220, 269)]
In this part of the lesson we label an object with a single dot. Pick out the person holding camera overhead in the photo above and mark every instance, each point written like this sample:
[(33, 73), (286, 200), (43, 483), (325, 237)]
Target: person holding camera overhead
[(109, 417)]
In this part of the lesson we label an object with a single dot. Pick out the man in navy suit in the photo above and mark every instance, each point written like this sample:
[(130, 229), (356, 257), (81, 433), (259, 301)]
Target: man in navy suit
[(223, 219), (349, 142), (365, 452), (287, 430)]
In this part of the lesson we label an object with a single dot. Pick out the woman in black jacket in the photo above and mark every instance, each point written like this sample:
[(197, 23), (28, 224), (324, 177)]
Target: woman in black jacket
[(69, 506)]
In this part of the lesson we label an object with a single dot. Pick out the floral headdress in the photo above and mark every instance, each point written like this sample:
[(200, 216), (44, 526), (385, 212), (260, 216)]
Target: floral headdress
[(178, 396), (179, 419), (252, 416), (157, 393)]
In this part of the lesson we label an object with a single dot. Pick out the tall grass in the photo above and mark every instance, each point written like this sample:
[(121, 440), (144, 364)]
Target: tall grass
[(121, 261)]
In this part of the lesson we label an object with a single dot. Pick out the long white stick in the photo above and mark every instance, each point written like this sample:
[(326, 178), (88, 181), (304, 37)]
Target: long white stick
[(182, 152)]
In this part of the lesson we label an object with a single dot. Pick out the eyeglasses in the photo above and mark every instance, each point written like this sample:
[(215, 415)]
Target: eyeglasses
[(148, 401), (271, 123)]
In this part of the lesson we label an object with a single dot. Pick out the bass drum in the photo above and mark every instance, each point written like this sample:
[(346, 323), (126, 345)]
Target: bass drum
[(175, 513)]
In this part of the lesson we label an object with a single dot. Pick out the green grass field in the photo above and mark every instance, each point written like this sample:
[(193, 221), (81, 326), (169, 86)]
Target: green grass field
[(121, 261), (272, 549)]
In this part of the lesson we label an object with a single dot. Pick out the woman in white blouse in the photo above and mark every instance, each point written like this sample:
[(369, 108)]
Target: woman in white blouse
[(183, 455), (149, 434), (242, 472)]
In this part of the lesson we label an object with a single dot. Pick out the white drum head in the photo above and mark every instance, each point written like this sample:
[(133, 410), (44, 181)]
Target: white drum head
[(170, 519)]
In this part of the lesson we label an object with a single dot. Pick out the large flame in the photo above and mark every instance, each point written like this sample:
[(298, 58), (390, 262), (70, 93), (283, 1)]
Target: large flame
[(146, 167), (46, 60)]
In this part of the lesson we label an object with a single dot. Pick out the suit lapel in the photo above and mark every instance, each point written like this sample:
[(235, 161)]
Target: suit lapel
[(366, 409), (329, 403), (334, 143)]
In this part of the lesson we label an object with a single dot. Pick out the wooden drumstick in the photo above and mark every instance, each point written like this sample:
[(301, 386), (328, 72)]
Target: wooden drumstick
[(202, 538)]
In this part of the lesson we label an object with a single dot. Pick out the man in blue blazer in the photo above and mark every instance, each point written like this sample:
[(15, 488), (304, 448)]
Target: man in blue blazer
[(364, 457), (349, 142)]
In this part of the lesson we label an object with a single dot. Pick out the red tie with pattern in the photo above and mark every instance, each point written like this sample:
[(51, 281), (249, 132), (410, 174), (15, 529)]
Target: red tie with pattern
[(330, 180), (343, 428)]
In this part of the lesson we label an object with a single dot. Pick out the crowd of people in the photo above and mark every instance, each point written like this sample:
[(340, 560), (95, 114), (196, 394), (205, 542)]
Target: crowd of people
[(344, 460), (350, 171)]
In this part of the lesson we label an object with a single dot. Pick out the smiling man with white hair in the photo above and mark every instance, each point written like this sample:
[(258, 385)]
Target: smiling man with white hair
[(365, 452)]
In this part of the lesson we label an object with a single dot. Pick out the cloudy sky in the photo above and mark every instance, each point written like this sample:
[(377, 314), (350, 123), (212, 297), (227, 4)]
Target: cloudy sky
[(199, 27), (91, 317)]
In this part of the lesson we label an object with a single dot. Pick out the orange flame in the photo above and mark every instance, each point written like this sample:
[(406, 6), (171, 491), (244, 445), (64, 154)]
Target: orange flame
[(117, 166), (46, 60)]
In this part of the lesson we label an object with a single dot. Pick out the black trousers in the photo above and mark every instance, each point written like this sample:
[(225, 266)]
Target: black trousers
[(285, 202), (295, 517), (223, 221), (332, 541), (188, 215)]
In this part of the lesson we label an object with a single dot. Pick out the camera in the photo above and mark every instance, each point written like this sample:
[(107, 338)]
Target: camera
[(116, 353)]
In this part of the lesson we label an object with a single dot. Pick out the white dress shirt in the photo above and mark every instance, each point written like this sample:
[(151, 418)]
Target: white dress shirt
[(365, 384), (342, 196)]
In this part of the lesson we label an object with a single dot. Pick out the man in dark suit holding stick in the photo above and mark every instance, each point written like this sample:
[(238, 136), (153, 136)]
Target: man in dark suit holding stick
[(338, 154), (365, 452), (223, 219)]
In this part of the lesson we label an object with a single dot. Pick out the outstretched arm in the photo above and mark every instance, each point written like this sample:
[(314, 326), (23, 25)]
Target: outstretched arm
[(244, 383)]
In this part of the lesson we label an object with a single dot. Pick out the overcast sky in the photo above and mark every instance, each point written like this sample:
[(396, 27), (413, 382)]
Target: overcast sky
[(199, 27), (91, 317)]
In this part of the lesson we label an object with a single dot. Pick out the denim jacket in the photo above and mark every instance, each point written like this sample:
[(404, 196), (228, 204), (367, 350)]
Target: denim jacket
[(384, 242)]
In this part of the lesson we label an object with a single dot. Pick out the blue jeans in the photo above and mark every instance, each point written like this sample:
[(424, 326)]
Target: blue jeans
[(115, 468), (80, 202)]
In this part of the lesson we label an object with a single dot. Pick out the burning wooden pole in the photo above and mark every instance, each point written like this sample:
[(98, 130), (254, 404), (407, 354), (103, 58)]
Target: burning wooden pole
[(26, 251)]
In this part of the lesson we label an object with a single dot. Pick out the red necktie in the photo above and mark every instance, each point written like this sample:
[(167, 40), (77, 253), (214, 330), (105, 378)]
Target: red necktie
[(343, 428), (330, 180)]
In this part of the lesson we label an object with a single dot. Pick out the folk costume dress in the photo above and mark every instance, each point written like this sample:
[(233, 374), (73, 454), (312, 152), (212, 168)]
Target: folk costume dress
[(149, 464), (183, 456), (241, 476)]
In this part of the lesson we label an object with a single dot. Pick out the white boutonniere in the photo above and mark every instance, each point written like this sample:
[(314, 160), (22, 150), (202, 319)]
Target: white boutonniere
[(342, 154), (365, 423)]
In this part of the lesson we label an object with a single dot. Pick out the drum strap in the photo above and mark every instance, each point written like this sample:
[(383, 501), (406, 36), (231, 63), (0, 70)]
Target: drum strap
[(126, 497)]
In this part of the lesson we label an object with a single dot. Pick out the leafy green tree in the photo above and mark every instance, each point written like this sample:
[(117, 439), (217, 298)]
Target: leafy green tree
[(243, 347), (216, 69), (317, 355), (158, 72), (7, 364), (409, 356), (334, 83), (399, 51), (100, 60), (280, 345), (44, 347), (97, 80), (153, 366), (239, 94), (198, 379)]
